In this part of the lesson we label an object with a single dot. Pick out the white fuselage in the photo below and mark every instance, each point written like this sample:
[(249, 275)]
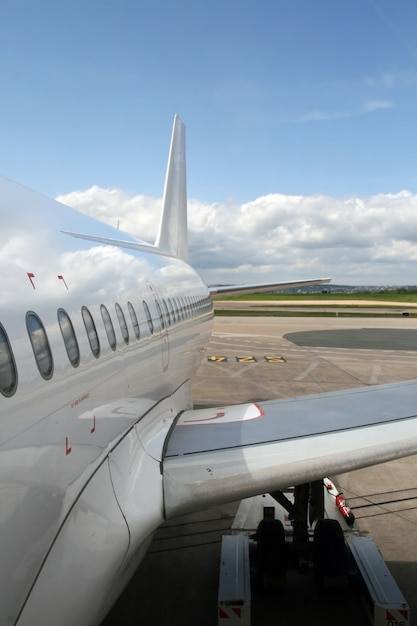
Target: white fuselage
[(84, 414)]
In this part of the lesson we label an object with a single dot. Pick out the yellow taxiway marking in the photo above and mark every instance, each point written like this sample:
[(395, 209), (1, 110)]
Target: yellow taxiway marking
[(274, 359)]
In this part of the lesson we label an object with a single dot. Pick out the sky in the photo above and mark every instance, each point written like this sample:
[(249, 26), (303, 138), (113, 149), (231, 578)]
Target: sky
[(301, 126)]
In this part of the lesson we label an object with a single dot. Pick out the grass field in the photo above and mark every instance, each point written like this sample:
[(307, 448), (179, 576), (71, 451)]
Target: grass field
[(362, 304), (358, 312), (376, 298)]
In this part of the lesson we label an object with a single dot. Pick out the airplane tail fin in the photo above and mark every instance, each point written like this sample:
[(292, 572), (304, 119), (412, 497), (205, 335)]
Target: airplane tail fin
[(172, 234)]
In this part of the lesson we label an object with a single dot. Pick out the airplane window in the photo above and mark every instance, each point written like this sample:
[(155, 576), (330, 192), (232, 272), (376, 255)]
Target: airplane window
[(176, 313), (148, 316), (171, 309), (90, 327), (166, 313), (40, 345), (122, 322), (108, 325), (161, 317), (8, 372), (68, 335), (134, 319)]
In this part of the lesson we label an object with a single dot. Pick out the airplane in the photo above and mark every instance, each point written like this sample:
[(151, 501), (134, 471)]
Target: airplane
[(100, 334)]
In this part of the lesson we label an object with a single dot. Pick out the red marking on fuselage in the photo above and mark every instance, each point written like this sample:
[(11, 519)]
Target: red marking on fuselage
[(63, 280), (94, 425), (30, 276), (78, 401), (67, 448)]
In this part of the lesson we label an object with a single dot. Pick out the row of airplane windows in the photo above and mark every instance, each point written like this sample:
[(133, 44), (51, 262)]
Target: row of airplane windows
[(168, 312)]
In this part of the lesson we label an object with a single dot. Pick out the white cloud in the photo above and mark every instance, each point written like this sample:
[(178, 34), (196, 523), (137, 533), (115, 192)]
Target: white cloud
[(370, 106), (391, 80), (376, 105), (136, 214), (356, 240)]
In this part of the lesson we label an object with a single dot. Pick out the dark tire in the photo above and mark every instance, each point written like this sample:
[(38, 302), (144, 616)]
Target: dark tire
[(329, 556), (271, 550)]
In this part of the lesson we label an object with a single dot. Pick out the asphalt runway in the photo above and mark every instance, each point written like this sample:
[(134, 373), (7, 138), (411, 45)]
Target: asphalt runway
[(264, 358), (358, 338)]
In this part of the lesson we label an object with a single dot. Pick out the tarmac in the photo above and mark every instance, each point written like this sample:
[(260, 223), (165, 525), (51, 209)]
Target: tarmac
[(263, 358)]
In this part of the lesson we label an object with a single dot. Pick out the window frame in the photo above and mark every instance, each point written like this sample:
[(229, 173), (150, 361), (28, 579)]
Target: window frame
[(63, 313), (46, 373), (148, 317), (160, 315), (108, 326), (85, 311), (122, 323), (10, 360), (134, 320)]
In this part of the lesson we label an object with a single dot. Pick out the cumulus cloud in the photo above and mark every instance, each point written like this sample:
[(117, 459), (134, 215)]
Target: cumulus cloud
[(370, 240), (135, 214)]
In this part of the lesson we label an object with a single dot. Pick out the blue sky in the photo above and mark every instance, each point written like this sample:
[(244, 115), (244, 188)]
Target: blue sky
[(296, 98)]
